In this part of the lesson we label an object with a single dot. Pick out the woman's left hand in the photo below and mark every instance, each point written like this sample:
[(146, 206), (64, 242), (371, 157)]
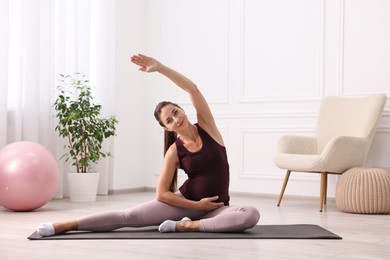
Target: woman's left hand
[(147, 64)]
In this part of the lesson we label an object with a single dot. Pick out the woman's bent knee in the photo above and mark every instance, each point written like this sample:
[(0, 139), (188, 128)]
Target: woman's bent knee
[(252, 216)]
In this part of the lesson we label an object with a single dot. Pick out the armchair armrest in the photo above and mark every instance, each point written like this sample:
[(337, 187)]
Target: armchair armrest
[(344, 152), (295, 144)]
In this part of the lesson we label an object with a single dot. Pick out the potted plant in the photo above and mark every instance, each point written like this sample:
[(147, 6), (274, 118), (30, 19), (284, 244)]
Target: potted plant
[(83, 128)]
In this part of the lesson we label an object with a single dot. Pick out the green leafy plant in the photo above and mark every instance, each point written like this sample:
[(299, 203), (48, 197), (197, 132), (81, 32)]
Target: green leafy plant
[(80, 123)]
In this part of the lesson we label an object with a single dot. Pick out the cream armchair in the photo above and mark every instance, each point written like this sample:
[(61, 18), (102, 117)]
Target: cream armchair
[(344, 132)]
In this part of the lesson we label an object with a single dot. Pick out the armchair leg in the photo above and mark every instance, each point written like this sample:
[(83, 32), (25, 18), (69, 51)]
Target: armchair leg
[(326, 189), (284, 186), (323, 189)]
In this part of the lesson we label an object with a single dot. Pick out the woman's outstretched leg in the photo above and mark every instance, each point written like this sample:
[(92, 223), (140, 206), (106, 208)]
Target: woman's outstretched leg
[(147, 214)]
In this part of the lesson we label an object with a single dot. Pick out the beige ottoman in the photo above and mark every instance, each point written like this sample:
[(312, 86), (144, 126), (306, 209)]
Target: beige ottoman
[(364, 190)]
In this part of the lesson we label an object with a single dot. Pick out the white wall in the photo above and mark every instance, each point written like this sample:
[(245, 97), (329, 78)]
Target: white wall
[(264, 67)]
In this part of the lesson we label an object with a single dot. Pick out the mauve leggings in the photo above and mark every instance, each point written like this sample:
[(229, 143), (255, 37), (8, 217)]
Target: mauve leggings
[(153, 213)]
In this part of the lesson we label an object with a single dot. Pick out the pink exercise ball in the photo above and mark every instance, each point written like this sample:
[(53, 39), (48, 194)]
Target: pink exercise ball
[(29, 176)]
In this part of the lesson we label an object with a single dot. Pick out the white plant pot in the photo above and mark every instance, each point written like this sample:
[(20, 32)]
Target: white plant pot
[(83, 186)]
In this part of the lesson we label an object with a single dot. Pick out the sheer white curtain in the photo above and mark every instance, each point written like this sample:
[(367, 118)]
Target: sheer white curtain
[(38, 41)]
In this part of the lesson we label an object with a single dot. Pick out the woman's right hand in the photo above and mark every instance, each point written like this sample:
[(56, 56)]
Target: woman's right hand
[(208, 204)]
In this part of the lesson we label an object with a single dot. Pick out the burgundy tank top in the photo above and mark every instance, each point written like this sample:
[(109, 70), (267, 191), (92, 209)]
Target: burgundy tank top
[(207, 170)]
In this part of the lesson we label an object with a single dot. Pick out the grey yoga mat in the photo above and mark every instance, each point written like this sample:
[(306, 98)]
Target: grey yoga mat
[(298, 231)]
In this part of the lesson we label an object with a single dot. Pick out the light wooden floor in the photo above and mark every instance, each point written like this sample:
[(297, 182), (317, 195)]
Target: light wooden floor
[(364, 236)]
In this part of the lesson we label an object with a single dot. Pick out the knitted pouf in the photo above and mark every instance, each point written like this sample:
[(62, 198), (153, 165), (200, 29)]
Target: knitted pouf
[(364, 190)]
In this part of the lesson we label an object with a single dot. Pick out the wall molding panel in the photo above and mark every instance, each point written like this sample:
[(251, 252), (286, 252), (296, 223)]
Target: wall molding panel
[(312, 92)]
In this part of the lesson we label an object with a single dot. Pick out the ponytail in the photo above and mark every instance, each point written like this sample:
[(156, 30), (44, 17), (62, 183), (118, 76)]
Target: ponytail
[(169, 139)]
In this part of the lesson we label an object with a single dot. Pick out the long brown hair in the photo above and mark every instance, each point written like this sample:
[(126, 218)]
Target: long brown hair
[(169, 137)]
